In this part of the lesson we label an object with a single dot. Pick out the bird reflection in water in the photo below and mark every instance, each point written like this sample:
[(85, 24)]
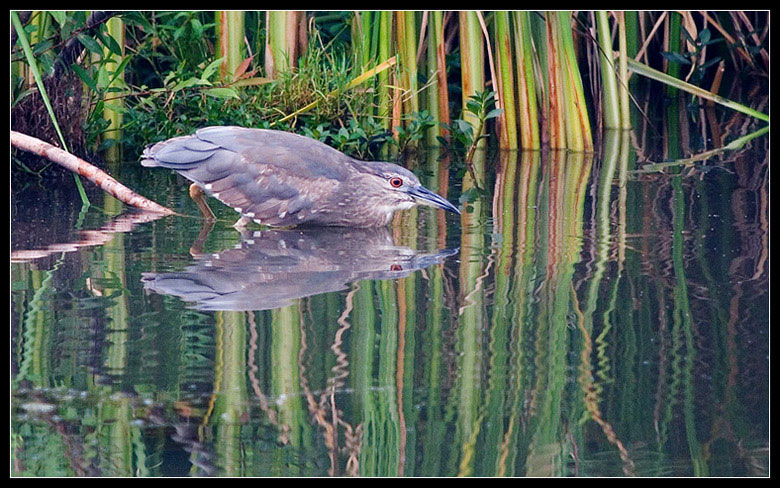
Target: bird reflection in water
[(270, 268)]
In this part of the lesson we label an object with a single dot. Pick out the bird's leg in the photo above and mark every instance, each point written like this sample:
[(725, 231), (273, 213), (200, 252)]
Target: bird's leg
[(196, 193), (196, 249)]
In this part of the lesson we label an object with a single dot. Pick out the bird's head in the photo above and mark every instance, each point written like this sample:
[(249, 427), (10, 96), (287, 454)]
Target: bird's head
[(398, 188)]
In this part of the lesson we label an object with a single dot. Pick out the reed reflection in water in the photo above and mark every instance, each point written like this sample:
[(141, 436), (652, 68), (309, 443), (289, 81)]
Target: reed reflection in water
[(594, 322)]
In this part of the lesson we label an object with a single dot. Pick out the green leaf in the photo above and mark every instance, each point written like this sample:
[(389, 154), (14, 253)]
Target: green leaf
[(222, 92), (494, 113), (111, 44), (211, 68), (84, 76), (89, 43), (59, 16), (185, 84), (675, 57)]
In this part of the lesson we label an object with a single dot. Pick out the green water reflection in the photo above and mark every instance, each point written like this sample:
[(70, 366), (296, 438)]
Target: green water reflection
[(579, 320)]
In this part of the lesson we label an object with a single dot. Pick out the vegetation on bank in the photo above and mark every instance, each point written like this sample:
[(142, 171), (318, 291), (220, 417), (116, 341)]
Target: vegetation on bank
[(370, 83)]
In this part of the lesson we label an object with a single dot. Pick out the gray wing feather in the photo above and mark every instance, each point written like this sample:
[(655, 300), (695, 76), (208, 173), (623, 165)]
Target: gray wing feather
[(255, 171)]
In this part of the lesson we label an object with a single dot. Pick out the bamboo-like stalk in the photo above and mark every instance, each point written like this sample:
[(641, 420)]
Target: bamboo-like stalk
[(406, 40), (611, 99), (472, 64), (556, 101), (506, 82), (384, 49), (622, 74), (437, 95), (577, 112), (281, 42), (672, 33), (230, 41), (527, 110), (113, 106)]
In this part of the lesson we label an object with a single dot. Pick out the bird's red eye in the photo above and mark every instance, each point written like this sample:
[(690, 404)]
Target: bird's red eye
[(396, 182), (395, 267)]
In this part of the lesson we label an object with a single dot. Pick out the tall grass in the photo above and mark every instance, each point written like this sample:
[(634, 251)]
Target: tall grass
[(536, 63)]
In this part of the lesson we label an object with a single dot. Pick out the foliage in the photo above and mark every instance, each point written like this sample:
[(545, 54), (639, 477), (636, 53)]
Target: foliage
[(463, 136), (166, 71)]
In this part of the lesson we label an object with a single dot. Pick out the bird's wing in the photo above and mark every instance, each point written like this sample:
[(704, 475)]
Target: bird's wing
[(271, 176)]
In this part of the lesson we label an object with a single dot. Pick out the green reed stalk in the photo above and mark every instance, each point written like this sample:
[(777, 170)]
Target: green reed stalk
[(472, 63), (625, 99), (406, 40), (361, 38), (506, 82), (558, 129), (113, 106), (672, 41), (385, 50), (281, 42), (576, 109), (230, 41), (437, 95), (611, 97), (527, 110)]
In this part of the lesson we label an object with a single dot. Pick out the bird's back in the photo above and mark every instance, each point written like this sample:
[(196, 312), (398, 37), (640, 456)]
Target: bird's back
[(273, 177)]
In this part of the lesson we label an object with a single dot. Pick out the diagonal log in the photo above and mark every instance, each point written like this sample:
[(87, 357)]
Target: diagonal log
[(88, 171)]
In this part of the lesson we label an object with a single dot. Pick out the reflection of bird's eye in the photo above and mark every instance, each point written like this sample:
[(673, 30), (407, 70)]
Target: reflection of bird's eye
[(395, 267), (396, 182)]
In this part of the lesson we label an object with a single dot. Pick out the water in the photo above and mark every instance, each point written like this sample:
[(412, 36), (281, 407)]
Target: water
[(578, 320)]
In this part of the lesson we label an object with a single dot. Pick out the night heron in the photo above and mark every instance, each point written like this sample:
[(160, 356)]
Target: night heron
[(272, 268), (283, 179)]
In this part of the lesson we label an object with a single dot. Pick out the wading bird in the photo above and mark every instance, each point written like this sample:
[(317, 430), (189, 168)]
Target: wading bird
[(283, 179)]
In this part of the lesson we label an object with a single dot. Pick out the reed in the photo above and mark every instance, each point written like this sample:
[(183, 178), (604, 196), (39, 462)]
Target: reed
[(610, 96), (506, 82), (385, 50), (230, 41), (437, 96), (576, 111), (472, 65), (114, 103), (281, 42), (406, 40), (533, 60), (528, 113)]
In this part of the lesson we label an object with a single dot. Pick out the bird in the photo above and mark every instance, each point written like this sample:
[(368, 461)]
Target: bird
[(272, 268), (282, 179)]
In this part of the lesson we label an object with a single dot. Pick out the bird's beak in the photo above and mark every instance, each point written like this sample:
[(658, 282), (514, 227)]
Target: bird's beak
[(426, 197)]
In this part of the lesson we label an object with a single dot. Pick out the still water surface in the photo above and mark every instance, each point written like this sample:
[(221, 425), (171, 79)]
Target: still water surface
[(579, 319)]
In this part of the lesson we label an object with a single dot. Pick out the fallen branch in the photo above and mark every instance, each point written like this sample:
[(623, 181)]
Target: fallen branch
[(90, 172)]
